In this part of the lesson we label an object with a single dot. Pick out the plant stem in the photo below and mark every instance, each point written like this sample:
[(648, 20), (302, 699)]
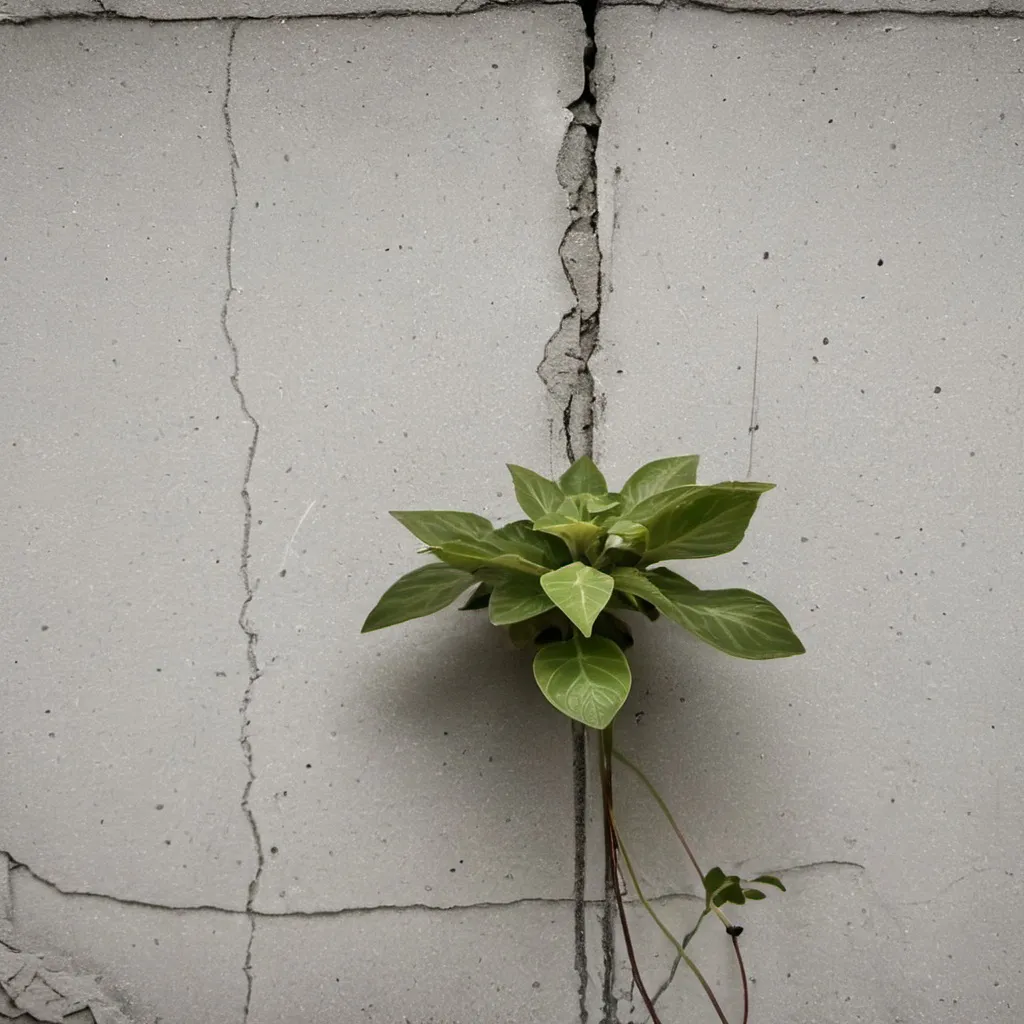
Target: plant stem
[(743, 975), (657, 920), (611, 848), (664, 807)]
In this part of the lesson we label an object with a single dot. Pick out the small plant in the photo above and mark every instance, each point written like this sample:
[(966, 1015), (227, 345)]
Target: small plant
[(558, 581)]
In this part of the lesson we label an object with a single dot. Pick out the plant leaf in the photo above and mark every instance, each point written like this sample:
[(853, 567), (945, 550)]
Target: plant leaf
[(586, 678), (712, 521), (595, 504), (737, 622), (479, 556), (537, 495), (576, 534), (420, 592), (581, 591), (516, 598), (521, 538), (654, 505), (660, 475), (627, 536), (441, 527), (753, 894), (583, 477), (480, 598), (769, 880)]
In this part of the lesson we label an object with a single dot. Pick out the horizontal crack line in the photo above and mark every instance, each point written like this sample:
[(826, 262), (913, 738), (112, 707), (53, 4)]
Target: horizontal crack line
[(551, 901)]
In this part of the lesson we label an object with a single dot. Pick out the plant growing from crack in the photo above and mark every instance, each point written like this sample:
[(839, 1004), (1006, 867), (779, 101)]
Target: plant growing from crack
[(558, 580)]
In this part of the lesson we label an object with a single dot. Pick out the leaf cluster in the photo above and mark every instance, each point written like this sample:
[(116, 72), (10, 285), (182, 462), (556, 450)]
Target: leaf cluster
[(561, 578)]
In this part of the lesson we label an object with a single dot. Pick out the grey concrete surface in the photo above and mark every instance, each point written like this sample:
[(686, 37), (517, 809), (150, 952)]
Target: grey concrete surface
[(162, 10), (265, 280), (811, 229), (122, 439)]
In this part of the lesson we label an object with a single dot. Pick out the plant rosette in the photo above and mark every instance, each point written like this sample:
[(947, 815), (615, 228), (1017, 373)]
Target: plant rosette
[(561, 580)]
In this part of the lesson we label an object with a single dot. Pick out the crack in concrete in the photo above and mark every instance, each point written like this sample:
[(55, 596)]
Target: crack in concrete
[(754, 425), (6, 892), (565, 368), (252, 637)]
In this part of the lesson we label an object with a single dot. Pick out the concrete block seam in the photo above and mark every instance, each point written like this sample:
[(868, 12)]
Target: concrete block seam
[(251, 636), (109, 12)]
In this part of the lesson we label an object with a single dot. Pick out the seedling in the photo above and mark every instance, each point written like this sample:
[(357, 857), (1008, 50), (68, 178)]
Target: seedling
[(560, 580)]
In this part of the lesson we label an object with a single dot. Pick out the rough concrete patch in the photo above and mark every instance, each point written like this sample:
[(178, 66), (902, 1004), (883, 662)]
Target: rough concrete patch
[(49, 990)]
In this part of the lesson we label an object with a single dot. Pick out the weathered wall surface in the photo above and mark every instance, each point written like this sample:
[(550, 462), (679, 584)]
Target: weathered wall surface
[(266, 279)]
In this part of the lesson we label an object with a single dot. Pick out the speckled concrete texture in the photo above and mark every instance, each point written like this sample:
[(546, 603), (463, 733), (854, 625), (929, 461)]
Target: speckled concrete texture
[(812, 267)]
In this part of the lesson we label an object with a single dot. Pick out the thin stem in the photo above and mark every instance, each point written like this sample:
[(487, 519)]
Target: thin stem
[(743, 975), (657, 920), (611, 841), (664, 807)]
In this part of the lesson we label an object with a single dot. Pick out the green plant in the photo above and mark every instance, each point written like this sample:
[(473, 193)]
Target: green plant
[(560, 579)]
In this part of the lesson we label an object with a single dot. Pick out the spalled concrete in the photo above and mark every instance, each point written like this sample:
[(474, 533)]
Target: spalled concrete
[(812, 269)]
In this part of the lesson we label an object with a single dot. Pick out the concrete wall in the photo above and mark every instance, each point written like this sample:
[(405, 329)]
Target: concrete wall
[(265, 279)]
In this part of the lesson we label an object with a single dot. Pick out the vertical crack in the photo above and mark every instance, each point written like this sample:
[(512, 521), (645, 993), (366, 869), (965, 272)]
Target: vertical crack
[(251, 636), (565, 371), (565, 368)]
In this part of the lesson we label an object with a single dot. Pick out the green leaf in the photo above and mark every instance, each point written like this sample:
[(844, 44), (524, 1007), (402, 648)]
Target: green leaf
[(477, 556), (660, 475), (769, 880), (595, 504), (519, 564), (753, 894), (521, 538), (711, 521), (737, 622), (713, 880), (576, 534), (583, 477), (516, 598), (480, 598), (423, 591), (628, 536), (655, 505), (441, 527), (581, 591), (537, 496), (586, 678)]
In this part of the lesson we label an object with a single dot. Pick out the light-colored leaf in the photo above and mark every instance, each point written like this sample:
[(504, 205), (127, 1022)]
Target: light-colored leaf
[(423, 591), (516, 598), (581, 591), (660, 475), (537, 496), (627, 536), (583, 477), (586, 678), (441, 527)]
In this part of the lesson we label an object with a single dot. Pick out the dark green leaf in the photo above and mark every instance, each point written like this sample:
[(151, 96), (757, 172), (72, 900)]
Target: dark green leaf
[(478, 599), (711, 521), (516, 598), (769, 880), (581, 591), (583, 477), (478, 556), (670, 583), (713, 880), (660, 475), (423, 591), (655, 505), (537, 496), (626, 535), (586, 678), (521, 538), (753, 894), (441, 527)]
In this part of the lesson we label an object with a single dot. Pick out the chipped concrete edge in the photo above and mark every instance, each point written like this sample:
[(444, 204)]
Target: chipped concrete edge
[(46, 986)]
